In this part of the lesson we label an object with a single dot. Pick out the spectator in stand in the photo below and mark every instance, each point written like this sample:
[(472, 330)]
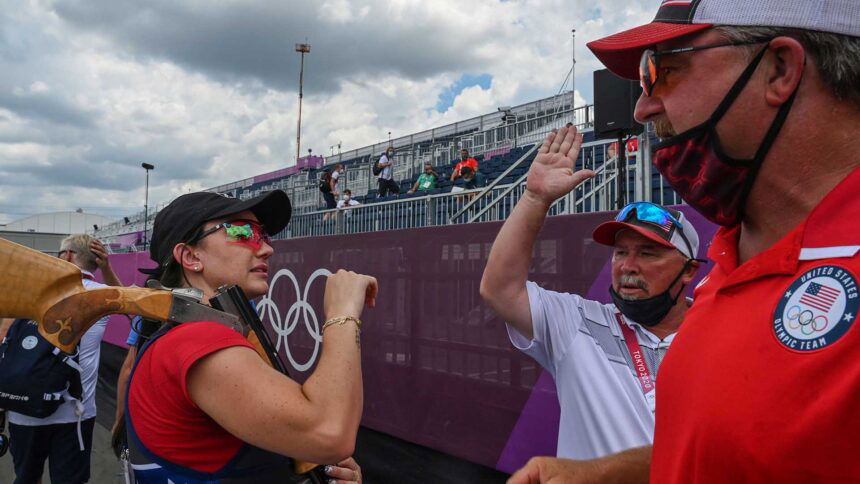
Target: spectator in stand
[(427, 180), (471, 178), (347, 200), (386, 176), (335, 178), (611, 151), (465, 160), (328, 182)]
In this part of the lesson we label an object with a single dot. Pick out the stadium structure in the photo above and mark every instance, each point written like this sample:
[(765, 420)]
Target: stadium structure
[(447, 397), (504, 143)]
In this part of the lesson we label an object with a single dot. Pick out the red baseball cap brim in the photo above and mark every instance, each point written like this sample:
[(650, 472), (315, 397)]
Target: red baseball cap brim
[(606, 232), (620, 52)]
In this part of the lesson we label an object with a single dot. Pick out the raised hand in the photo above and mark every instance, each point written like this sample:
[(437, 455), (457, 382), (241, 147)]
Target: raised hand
[(551, 175), (346, 294), (98, 249)]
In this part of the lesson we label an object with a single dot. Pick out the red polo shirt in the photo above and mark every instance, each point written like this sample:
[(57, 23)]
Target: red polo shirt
[(471, 163), (762, 383)]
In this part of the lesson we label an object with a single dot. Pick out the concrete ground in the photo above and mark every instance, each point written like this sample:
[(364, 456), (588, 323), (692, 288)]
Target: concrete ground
[(104, 468)]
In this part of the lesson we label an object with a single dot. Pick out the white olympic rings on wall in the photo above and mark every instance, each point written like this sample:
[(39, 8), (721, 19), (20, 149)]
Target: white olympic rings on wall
[(284, 327)]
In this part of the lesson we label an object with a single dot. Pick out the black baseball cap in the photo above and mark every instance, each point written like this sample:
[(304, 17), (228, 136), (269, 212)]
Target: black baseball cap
[(175, 223)]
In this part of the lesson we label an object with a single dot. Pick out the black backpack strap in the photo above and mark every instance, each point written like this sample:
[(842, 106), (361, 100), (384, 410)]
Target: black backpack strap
[(13, 330)]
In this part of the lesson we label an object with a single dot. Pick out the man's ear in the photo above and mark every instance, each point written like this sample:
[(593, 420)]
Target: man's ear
[(187, 257), (690, 271), (788, 60)]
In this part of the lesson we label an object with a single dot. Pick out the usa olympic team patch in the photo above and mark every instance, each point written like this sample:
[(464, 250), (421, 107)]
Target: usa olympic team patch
[(817, 309)]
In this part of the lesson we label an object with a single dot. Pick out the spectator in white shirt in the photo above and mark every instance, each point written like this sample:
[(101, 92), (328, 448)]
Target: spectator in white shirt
[(347, 200)]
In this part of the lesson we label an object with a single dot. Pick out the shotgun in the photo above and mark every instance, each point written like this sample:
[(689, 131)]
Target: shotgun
[(48, 290)]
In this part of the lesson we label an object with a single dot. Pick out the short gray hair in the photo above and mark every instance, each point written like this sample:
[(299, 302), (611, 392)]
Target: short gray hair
[(79, 244), (837, 56)]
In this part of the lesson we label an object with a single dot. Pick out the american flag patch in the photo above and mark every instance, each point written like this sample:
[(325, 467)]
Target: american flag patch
[(819, 296), (665, 226)]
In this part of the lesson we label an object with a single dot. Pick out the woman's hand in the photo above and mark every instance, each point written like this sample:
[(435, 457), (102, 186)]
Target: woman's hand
[(346, 293), (345, 472)]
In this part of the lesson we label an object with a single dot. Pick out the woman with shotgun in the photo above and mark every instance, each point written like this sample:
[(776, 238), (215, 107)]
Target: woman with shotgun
[(202, 405)]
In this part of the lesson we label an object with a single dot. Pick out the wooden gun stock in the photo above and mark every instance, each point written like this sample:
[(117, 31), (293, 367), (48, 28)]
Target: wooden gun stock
[(49, 291), (65, 322)]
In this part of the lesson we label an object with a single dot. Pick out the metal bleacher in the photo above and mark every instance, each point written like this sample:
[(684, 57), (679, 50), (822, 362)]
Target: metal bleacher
[(504, 148)]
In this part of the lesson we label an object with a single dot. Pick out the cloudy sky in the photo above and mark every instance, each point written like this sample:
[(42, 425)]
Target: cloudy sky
[(206, 90)]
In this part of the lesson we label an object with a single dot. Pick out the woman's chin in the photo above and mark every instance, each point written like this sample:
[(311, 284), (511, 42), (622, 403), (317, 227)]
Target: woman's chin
[(255, 289)]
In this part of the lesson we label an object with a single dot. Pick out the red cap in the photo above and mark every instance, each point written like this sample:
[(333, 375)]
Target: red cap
[(606, 232), (621, 52)]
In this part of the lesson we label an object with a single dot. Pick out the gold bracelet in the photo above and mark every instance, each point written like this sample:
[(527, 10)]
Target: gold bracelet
[(341, 320)]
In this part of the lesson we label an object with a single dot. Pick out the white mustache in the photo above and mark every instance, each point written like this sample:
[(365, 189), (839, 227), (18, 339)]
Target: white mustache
[(630, 280)]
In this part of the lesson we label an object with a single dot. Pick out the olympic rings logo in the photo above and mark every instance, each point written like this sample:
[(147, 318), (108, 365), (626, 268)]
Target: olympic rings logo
[(284, 327), (805, 321)]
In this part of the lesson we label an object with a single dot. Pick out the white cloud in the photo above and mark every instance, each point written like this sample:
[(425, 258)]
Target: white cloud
[(90, 91), (342, 12)]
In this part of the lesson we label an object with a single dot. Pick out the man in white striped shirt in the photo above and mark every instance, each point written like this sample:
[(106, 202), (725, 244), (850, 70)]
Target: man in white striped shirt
[(604, 357)]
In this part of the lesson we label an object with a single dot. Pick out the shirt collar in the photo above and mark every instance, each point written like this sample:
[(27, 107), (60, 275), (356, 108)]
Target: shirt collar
[(830, 224), (640, 328), (827, 232)]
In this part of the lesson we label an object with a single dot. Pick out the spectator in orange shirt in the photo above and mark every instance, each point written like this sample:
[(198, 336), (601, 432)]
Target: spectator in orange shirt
[(466, 161)]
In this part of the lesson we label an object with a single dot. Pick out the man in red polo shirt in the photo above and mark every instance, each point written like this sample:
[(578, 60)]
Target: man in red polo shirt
[(757, 104), (466, 161)]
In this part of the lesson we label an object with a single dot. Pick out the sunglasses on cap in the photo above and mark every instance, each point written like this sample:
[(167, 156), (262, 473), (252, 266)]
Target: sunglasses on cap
[(654, 214), (649, 63), (242, 232), (649, 212)]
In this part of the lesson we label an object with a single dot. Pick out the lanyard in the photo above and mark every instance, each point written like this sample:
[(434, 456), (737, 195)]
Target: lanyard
[(87, 276), (643, 373)]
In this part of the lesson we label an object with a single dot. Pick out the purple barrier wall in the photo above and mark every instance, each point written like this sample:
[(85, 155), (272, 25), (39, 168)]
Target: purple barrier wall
[(276, 174), (125, 266), (497, 152), (439, 369), (305, 162), (126, 240), (311, 161)]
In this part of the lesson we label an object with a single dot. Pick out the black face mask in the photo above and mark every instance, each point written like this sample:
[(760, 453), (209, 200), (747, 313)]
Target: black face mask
[(648, 312)]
